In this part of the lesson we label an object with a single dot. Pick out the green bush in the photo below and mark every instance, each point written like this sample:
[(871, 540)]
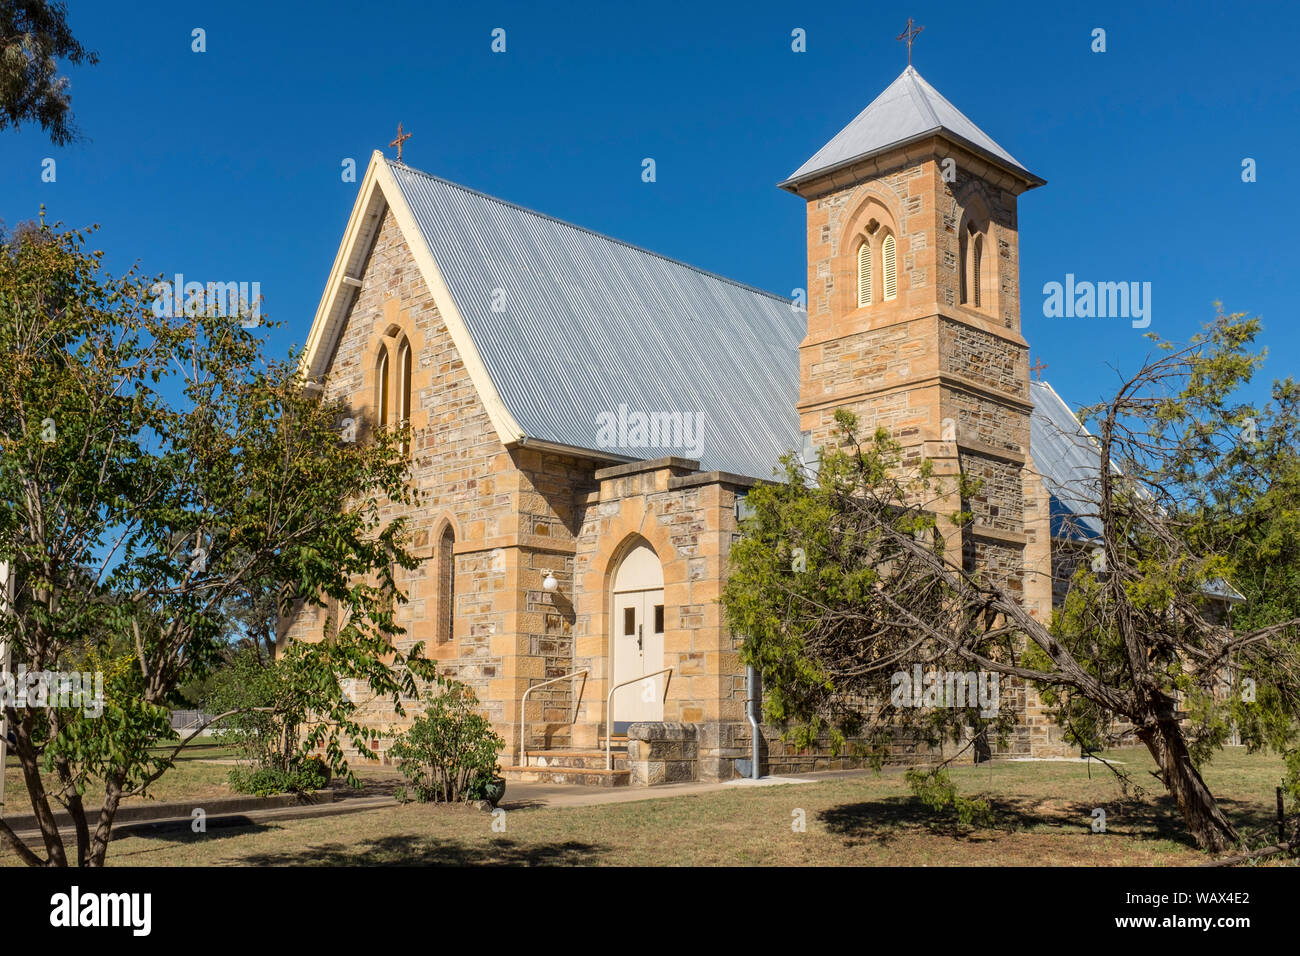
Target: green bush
[(309, 774), (314, 773), (450, 752), (261, 781)]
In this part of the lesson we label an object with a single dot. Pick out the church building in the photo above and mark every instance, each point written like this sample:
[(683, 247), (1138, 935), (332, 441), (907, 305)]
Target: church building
[(588, 416)]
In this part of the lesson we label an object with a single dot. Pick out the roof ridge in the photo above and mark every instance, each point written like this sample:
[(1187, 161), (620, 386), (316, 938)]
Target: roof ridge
[(592, 232), (919, 96), (949, 103), (907, 110), (1064, 404)]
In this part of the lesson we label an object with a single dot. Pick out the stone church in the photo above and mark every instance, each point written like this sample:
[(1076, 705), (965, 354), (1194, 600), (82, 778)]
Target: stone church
[(588, 416)]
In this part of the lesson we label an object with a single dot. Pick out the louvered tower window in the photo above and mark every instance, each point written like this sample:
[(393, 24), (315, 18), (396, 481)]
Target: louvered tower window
[(977, 253), (889, 255), (864, 274)]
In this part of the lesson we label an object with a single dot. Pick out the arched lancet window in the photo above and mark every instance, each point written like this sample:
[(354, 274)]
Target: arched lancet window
[(404, 388), (965, 284), (974, 277), (889, 265), (864, 274), (446, 585), (382, 375)]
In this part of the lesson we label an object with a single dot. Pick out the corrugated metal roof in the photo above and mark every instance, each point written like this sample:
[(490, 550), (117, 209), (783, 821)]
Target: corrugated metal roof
[(1066, 455), (586, 326), (1223, 591), (908, 109), (591, 323)]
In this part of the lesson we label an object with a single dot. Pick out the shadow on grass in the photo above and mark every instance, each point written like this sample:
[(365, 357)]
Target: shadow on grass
[(371, 786), (1155, 818), (522, 804), (388, 785), (219, 829), (432, 851)]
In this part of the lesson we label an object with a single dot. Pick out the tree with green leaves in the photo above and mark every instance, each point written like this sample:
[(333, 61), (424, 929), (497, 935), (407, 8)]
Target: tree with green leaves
[(34, 35), (845, 577), (155, 465)]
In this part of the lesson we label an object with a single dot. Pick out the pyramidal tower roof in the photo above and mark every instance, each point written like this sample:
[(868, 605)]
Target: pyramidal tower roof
[(908, 110)]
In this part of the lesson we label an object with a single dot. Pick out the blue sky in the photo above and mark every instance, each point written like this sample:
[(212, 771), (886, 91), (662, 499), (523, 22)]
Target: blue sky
[(225, 165)]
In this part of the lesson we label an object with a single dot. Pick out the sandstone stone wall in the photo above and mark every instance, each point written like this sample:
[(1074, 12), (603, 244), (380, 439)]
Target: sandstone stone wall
[(949, 379), (517, 514), (513, 512), (688, 519), (553, 489)]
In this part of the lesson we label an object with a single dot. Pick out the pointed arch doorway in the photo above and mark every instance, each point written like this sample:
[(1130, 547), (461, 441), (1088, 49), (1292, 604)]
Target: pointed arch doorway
[(637, 641)]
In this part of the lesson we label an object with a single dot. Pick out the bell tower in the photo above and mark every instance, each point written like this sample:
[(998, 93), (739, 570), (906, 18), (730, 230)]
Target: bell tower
[(914, 303)]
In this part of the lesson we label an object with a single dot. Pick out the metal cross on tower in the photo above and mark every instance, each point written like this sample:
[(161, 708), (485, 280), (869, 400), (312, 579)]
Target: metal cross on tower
[(910, 34), (399, 141)]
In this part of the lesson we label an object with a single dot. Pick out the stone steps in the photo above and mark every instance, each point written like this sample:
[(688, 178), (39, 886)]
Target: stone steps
[(574, 767), (572, 776), (578, 759)]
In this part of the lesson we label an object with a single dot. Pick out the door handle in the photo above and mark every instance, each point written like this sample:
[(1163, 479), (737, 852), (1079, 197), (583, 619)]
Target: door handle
[(640, 644)]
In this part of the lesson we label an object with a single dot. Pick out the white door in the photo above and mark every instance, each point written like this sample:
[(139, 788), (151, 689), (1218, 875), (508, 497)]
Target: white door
[(638, 639)]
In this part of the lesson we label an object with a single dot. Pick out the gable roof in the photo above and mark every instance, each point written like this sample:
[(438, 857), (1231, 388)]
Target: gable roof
[(1068, 458), (563, 329), (909, 109), (606, 324)]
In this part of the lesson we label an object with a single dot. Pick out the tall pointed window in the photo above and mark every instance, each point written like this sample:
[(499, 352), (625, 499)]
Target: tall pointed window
[(965, 282), (404, 390), (864, 274), (446, 585), (974, 280), (382, 373), (889, 265)]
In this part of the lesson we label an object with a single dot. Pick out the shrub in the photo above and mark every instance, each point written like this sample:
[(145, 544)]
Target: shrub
[(310, 773), (450, 752), (313, 773), (261, 781)]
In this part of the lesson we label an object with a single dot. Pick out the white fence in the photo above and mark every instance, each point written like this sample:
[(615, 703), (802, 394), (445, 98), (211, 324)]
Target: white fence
[(187, 720)]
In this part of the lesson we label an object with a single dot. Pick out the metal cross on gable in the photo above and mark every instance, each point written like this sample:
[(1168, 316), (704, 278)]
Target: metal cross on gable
[(1038, 367), (910, 34), (399, 141)]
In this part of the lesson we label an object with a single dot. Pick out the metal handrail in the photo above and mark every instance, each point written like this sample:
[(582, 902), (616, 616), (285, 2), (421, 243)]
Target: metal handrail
[(609, 705), (523, 751)]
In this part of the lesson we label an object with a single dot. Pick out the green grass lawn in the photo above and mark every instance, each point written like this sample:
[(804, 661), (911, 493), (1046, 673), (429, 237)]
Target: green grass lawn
[(1043, 816), (192, 776)]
